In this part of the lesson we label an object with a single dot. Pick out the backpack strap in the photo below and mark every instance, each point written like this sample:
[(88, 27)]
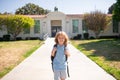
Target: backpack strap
[(52, 57), (55, 51)]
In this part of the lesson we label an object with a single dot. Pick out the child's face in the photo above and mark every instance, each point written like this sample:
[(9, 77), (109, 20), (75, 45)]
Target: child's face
[(61, 39)]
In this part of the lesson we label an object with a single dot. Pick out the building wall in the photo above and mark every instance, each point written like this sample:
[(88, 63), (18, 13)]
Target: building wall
[(66, 24)]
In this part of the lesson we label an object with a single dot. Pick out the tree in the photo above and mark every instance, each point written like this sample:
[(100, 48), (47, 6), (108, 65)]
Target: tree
[(2, 21), (31, 9), (16, 23), (116, 12), (111, 8), (96, 21), (6, 13)]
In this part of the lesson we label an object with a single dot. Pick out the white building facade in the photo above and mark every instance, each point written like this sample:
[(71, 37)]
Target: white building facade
[(57, 21), (54, 22)]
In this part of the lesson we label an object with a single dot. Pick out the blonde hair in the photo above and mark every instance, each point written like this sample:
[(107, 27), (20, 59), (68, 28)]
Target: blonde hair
[(63, 34)]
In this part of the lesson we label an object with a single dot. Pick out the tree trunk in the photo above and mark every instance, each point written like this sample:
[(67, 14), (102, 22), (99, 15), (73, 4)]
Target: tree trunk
[(97, 34), (14, 37)]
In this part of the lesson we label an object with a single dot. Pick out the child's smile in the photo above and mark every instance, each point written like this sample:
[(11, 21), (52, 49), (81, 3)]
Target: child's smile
[(61, 40)]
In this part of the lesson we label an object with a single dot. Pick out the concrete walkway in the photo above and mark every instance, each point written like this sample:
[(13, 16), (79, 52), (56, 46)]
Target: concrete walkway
[(38, 66)]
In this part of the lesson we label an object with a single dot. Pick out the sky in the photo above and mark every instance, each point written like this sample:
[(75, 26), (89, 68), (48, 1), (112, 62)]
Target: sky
[(65, 6)]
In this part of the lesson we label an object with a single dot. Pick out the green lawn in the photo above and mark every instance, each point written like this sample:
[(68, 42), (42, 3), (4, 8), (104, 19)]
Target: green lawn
[(13, 52), (105, 52)]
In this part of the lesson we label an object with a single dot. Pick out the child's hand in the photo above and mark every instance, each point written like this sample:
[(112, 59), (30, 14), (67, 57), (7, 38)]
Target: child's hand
[(67, 53), (53, 51)]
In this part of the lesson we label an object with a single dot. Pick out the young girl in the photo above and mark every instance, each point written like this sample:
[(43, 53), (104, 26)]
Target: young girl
[(60, 51)]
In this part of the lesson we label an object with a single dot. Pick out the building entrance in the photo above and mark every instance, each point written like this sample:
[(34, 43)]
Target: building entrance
[(55, 27)]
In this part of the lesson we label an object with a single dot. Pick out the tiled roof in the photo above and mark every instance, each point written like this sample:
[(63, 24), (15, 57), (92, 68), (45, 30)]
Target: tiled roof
[(109, 14), (36, 16), (75, 15), (68, 15)]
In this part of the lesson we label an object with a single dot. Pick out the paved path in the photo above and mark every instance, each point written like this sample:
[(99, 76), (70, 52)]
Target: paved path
[(38, 66)]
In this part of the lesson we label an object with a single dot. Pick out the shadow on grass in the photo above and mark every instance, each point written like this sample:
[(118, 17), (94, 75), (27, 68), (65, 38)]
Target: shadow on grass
[(109, 49)]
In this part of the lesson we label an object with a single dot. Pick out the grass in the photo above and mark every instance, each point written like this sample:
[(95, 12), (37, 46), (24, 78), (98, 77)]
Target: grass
[(105, 52), (13, 52)]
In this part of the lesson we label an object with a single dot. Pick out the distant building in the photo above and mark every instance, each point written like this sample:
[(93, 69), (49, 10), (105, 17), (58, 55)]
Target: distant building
[(56, 21)]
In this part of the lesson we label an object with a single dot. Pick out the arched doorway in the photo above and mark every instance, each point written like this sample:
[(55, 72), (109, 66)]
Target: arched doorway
[(55, 27)]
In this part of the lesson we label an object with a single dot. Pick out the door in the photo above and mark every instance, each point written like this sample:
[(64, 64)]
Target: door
[(55, 29)]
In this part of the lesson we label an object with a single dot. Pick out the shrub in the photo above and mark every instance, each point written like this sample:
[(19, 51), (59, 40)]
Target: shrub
[(34, 38), (1, 39), (86, 35), (18, 38), (78, 37), (6, 37), (92, 37)]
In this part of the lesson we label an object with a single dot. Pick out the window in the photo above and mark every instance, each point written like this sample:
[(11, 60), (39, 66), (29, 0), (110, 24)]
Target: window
[(37, 26), (84, 27), (75, 24), (27, 30), (115, 26)]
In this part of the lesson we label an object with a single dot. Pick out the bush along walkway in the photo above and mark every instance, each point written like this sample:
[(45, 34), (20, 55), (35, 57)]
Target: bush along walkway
[(38, 66)]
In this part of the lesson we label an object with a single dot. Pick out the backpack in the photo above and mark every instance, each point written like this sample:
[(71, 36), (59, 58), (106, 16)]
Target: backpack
[(52, 58)]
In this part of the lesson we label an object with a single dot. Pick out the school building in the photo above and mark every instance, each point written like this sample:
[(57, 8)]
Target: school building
[(56, 21)]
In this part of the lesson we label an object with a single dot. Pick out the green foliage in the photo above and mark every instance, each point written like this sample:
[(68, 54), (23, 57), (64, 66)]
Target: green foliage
[(16, 23), (116, 13), (96, 21), (2, 20), (111, 8), (31, 9)]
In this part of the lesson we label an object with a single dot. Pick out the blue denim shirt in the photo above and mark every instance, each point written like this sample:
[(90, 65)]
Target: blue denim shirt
[(59, 62)]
